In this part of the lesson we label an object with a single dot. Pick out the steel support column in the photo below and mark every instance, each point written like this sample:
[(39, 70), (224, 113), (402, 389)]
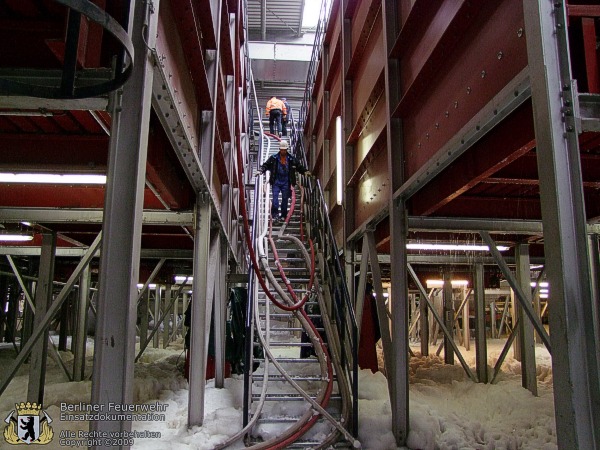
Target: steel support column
[(56, 305), (348, 150), (157, 310), (525, 331), (114, 349), (574, 364), (220, 315), (43, 297), (81, 328), (209, 118), (594, 249), (448, 317), (199, 322), (362, 283), (382, 314), (480, 335), (398, 229), (424, 325), (166, 312)]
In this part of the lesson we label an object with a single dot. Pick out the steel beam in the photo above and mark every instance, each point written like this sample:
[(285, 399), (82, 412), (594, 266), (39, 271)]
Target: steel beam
[(525, 336), (114, 349), (448, 259), (587, 112), (46, 77), (521, 296), (504, 103), (19, 278), (458, 224), (43, 297), (63, 215), (480, 335), (574, 360)]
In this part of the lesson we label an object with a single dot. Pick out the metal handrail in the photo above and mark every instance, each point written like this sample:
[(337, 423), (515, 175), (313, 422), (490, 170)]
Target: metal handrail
[(323, 236)]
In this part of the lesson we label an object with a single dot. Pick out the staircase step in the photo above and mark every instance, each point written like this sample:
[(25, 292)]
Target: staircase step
[(291, 397), (291, 360), (289, 315), (287, 344), (292, 329), (259, 377), (287, 419)]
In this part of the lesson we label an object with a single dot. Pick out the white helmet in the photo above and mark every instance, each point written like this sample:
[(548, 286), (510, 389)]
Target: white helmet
[(283, 144)]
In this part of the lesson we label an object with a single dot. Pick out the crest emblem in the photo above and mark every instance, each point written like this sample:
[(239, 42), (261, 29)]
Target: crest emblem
[(29, 427)]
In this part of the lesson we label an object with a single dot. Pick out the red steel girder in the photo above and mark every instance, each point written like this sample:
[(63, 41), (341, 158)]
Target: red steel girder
[(226, 49), (89, 43), (204, 15), (486, 60), (362, 26), (591, 54), (583, 10), (185, 16), (493, 207), (220, 160), (425, 52), (61, 196), (531, 182), (172, 186), (54, 152), (505, 143), (222, 118)]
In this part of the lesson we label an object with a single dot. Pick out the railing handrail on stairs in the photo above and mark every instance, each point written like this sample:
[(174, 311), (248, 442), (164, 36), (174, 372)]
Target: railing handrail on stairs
[(323, 235)]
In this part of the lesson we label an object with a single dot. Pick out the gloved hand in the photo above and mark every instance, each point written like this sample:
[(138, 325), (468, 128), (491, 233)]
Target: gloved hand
[(258, 174), (308, 173)]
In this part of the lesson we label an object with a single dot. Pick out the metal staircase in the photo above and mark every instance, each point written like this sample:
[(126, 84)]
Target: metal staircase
[(300, 394)]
